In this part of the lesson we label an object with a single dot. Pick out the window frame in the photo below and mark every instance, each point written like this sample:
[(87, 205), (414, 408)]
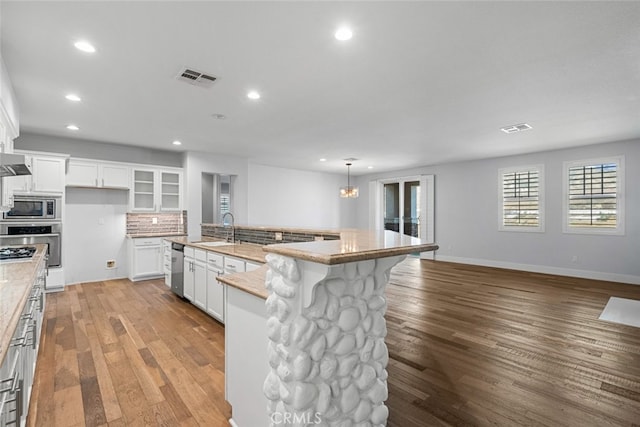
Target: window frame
[(541, 196), (619, 229)]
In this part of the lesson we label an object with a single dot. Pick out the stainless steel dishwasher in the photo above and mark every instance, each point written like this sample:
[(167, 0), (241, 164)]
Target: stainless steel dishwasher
[(177, 269)]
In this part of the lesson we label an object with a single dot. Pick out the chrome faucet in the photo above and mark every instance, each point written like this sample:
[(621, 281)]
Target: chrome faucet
[(231, 238)]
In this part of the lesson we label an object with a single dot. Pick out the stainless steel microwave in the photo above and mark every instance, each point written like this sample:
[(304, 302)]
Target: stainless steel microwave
[(34, 208)]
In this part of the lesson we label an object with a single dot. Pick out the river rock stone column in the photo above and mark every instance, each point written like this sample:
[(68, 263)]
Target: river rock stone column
[(326, 352)]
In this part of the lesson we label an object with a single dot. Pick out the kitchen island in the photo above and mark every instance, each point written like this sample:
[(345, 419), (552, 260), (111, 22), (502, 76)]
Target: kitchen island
[(314, 351)]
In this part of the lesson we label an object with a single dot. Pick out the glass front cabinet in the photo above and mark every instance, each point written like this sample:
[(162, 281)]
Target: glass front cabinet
[(156, 190)]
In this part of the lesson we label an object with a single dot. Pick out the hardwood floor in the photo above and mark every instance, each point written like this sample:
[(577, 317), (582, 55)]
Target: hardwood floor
[(469, 346)]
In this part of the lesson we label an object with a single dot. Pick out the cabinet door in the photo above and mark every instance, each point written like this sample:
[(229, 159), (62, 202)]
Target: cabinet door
[(48, 175), (215, 295), (189, 279), (171, 191), (200, 284), (147, 261), (114, 176), (144, 190), (82, 174)]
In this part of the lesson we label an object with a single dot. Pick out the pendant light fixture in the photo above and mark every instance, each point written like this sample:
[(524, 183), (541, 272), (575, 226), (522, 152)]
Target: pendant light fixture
[(349, 191)]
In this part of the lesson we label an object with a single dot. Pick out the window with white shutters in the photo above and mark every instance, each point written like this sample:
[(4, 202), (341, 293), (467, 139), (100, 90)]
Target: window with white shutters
[(593, 196), (521, 203)]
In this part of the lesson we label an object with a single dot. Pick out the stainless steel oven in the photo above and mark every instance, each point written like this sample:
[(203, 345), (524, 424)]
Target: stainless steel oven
[(29, 233), (34, 208)]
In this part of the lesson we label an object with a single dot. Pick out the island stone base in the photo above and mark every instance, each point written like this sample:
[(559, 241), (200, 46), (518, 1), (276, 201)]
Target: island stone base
[(326, 351)]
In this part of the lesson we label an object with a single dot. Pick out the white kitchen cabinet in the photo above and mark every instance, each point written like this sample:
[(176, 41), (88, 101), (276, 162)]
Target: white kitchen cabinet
[(195, 276), (146, 258), (234, 265), (188, 276), (250, 266), (215, 290), (156, 190), (47, 176), (92, 174), (200, 279)]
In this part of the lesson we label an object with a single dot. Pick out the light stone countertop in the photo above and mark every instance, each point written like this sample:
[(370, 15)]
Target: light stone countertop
[(246, 251), (146, 235), (354, 245), (251, 282), (16, 280)]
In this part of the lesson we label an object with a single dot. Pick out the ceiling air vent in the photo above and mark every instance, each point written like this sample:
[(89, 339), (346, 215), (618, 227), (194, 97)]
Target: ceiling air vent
[(196, 78), (515, 128)]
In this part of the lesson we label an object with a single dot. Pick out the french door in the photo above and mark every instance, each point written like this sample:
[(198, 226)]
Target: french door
[(405, 205)]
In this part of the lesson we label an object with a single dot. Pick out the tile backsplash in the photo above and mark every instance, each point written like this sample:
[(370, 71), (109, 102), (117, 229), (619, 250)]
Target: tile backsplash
[(265, 235), (143, 223)]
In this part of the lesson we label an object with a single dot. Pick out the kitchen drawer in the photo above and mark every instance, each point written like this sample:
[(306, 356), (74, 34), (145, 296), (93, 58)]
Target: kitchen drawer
[(152, 241), (233, 265), (215, 260), (189, 252), (200, 255)]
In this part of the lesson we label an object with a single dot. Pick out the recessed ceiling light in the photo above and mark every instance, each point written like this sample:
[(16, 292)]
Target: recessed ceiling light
[(176, 142), (73, 127), (73, 97), (219, 116), (323, 160), (369, 167), (253, 95), (343, 34), (516, 128), (84, 46)]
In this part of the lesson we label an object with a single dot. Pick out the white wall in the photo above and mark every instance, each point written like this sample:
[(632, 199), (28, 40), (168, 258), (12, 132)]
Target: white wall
[(472, 235), (8, 104), (194, 164), (93, 232), (297, 198), (98, 150)]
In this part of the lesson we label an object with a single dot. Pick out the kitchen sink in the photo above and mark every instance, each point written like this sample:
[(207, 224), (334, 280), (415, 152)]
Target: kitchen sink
[(213, 244)]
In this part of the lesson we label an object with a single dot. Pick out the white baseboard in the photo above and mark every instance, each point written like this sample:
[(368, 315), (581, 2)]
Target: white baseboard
[(571, 272), (96, 280)]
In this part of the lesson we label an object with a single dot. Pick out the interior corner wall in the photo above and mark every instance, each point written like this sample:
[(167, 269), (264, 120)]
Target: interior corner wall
[(194, 164), (467, 217), (298, 198)]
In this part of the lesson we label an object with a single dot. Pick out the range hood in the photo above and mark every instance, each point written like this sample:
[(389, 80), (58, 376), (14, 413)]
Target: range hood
[(13, 164)]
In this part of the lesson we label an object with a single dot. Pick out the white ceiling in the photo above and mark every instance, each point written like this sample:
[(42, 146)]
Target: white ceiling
[(420, 83)]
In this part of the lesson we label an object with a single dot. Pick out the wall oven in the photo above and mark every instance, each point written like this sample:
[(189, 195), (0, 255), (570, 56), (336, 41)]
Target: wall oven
[(34, 208), (29, 233)]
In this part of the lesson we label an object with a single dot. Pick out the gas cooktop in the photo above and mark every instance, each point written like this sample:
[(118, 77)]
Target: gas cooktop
[(24, 252)]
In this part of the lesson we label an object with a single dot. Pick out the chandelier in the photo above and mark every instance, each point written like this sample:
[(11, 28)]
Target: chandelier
[(349, 191)]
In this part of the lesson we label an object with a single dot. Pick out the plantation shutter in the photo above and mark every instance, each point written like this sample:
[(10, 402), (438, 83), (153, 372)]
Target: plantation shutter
[(521, 198), (593, 198)]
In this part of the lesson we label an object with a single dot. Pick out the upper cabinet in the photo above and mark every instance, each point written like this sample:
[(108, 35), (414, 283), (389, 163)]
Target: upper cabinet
[(92, 174), (156, 190), (47, 176)]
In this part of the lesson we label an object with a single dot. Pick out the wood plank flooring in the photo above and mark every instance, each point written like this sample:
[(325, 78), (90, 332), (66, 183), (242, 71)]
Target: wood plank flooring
[(469, 346)]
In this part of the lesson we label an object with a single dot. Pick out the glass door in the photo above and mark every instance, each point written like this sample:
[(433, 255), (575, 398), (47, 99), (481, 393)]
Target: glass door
[(401, 207)]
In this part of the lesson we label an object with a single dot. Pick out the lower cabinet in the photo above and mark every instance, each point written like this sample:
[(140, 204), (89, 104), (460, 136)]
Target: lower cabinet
[(201, 285), (195, 276), (215, 289), (18, 368), (146, 258)]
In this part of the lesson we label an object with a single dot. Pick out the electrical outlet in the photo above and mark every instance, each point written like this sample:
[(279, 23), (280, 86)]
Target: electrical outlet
[(111, 263), (278, 236), (154, 220), (574, 258)]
